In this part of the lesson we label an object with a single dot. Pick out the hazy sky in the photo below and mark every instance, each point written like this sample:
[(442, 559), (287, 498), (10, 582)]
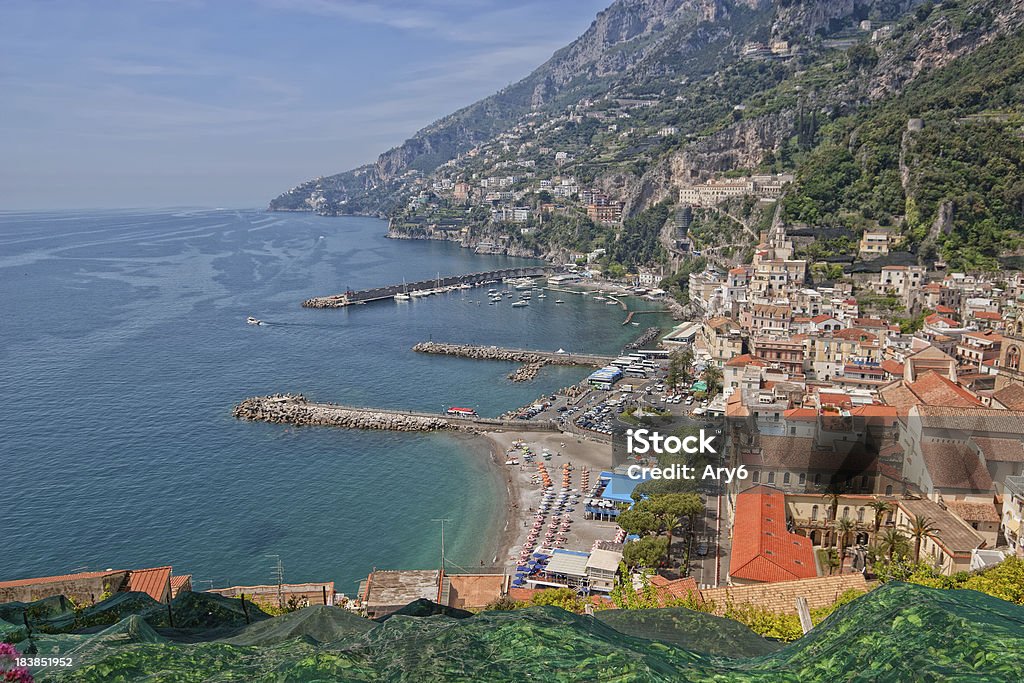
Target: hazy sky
[(229, 102)]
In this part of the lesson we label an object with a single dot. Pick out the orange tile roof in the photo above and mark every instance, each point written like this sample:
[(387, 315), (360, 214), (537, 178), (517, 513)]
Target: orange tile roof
[(987, 315), (801, 415), (937, 390), (678, 588), (893, 367), (1011, 396), (762, 548), (154, 582), (820, 591), (973, 512), (743, 361), (179, 583), (874, 411)]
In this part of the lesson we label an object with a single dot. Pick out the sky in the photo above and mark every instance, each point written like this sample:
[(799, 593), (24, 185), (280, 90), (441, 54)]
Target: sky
[(227, 103)]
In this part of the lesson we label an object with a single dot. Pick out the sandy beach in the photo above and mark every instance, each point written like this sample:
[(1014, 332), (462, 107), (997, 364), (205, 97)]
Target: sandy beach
[(523, 496)]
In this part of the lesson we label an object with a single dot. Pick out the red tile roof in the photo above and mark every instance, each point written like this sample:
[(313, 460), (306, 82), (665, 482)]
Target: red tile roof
[(893, 367), (762, 547), (955, 465), (744, 360), (154, 582), (180, 583), (801, 415), (987, 315), (678, 588)]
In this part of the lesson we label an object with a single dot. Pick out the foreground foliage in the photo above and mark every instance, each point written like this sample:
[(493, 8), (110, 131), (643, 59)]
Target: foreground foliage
[(897, 632)]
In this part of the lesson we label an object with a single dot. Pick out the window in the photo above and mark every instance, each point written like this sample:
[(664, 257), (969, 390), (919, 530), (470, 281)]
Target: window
[(771, 477), (756, 477), (803, 478), (888, 490), (817, 479), (865, 481), (846, 511), (814, 513), (860, 514), (785, 478)]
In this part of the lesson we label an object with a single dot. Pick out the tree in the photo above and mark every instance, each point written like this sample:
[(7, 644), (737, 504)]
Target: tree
[(832, 494), (669, 509), (920, 528), (645, 552), (565, 598), (638, 521), (713, 378), (880, 507), (680, 367), (892, 543), (843, 528)]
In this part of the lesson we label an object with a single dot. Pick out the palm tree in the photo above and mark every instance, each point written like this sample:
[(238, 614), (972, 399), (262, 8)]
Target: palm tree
[(832, 494), (890, 541), (880, 507), (843, 528), (920, 527), (713, 378)]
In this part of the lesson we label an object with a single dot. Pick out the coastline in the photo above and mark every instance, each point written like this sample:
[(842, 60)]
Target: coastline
[(518, 506)]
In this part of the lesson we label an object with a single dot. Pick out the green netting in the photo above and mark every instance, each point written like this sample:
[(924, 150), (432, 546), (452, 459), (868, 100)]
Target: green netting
[(426, 608), (899, 632), (318, 624), (694, 631)]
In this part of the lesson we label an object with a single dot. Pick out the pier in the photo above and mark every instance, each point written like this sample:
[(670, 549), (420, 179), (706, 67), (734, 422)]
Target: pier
[(295, 409), (362, 296), (476, 352)]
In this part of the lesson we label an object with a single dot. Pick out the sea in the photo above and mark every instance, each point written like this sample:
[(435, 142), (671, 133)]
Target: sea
[(124, 346)]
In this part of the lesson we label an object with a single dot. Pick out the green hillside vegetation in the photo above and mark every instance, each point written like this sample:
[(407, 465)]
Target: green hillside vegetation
[(969, 156)]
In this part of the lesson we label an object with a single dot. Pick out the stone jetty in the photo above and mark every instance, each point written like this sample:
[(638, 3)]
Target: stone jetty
[(526, 372), (511, 355), (295, 409)]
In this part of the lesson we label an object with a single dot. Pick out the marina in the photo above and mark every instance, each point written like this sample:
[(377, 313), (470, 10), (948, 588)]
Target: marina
[(438, 285)]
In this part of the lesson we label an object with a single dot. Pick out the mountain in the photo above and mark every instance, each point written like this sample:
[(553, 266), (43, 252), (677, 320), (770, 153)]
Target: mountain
[(899, 632), (659, 94)]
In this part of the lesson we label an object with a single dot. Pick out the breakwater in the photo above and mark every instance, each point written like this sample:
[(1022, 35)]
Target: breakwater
[(362, 296), (526, 372), (648, 336), (296, 409), (476, 352)]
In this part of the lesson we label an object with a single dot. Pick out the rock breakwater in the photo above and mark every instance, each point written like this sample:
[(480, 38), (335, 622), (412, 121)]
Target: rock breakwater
[(297, 410)]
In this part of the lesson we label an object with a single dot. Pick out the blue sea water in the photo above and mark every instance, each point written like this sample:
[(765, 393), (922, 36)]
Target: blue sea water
[(123, 347)]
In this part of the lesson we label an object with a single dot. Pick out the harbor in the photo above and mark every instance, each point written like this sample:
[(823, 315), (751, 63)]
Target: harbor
[(436, 285)]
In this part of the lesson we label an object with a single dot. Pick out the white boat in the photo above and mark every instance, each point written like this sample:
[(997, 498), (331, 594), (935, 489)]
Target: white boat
[(402, 297), (416, 293), (520, 304), (559, 301), (611, 303), (253, 321), (542, 296)]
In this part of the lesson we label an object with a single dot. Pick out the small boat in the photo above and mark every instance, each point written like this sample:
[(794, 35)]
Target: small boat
[(520, 304), (402, 297), (559, 301), (253, 321), (611, 303), (461, 412), (542, 296)]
